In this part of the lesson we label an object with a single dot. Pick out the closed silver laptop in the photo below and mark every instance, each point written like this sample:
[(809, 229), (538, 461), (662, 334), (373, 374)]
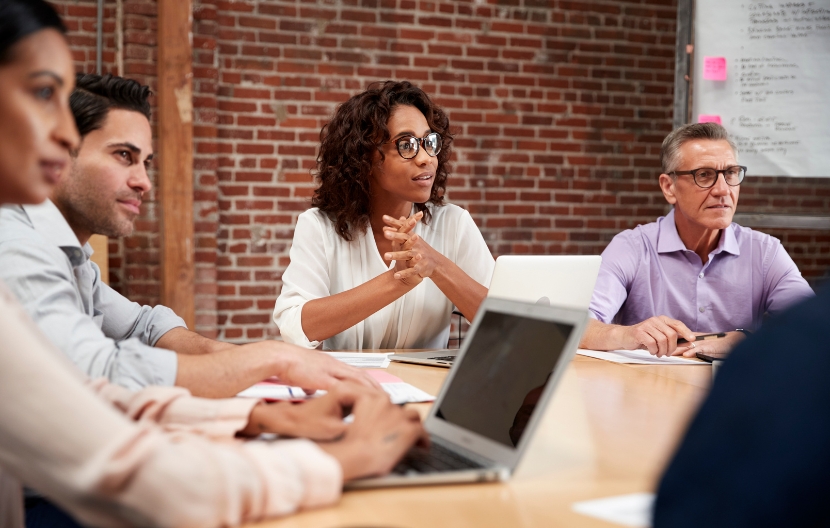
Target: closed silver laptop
[(555, 280), (552, 280), (494, 396)]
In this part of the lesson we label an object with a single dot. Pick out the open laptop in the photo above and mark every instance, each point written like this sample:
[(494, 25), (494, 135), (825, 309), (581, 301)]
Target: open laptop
[(551, 280), (494, 396)]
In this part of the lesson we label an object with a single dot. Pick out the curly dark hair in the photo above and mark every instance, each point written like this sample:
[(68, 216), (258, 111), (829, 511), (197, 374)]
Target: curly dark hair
[(347, 146)]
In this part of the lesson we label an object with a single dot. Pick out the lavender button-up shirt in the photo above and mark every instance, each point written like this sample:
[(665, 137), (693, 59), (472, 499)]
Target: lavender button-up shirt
[(647, 271)]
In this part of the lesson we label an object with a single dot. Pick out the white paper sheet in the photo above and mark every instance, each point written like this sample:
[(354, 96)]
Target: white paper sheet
[(638, 357), (405, 393), (399, 391), (275, 391), (629, 510), (363, 359)]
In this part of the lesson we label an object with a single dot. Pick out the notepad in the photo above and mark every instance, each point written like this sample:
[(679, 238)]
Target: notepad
[(399, 391), (638, 357)]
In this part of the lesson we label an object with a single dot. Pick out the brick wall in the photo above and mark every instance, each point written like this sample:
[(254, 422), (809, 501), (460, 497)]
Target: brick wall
[(558, 108)]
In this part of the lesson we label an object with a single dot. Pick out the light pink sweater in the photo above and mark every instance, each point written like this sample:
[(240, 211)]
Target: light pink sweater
[(112, 457)]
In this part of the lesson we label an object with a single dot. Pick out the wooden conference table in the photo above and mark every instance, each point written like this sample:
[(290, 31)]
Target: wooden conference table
[(609, 431)]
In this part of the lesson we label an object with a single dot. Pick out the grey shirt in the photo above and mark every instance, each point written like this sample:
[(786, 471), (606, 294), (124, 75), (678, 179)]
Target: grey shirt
[(101, 331)]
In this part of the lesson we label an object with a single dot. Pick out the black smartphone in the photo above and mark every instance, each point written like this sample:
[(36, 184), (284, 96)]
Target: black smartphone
[(682, 341), (712, 356)]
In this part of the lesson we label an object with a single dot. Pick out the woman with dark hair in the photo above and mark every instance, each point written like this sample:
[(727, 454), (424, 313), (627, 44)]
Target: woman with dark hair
[(378, 228), (157, 457)]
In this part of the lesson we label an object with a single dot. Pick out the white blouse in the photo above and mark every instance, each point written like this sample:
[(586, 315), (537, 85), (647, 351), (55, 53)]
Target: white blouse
[(324, 264)]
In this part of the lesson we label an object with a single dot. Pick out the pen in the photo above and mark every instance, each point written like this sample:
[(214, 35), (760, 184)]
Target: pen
[(702, 337)]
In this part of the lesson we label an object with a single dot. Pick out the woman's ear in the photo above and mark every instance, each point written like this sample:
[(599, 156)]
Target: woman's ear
[(667, 186)]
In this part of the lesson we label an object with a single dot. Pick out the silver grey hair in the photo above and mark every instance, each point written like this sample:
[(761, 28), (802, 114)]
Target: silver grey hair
[(670, 151)]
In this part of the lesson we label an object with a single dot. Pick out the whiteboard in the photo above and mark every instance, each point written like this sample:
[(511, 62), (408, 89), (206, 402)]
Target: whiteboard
[(775, 98)]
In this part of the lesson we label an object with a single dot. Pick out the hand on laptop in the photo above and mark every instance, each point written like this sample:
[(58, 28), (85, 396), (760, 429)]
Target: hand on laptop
[(657, 334), (379, 436), (317, 419), (312, 370)]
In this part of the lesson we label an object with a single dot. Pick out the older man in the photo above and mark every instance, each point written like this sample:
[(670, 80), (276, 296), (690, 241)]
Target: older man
[(694, 270), (44, 260)]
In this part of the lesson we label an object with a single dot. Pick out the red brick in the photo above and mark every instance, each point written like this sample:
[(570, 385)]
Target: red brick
[(558, 110)]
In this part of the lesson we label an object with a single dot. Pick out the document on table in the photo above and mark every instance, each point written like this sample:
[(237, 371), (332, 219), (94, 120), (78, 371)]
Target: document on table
[(399, 391), (629, 510), (363, 359), (638, 357)]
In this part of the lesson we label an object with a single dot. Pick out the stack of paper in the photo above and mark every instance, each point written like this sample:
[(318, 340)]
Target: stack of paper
[(363, 359), (399, 391), (638, 357)]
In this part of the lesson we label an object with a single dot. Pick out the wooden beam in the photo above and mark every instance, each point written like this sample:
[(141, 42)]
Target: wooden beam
[(175, 150), (682, 63), (101, 255)]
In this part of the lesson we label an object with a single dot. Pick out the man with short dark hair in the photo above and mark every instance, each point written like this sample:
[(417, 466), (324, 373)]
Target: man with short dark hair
[(44, 260), (694, 270)]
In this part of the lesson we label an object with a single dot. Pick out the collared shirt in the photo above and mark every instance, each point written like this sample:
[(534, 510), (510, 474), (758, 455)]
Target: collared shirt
[(648, 271), (102, 332)]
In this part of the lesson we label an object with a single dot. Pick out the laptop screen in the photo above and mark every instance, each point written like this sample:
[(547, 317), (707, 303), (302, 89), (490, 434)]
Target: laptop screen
[(502, 375)]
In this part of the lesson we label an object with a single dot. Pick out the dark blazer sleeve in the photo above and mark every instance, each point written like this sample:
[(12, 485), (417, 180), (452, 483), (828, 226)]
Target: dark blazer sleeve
[(758, 451)]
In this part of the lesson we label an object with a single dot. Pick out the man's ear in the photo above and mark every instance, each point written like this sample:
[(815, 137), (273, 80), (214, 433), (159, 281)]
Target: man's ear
[(667, 186)]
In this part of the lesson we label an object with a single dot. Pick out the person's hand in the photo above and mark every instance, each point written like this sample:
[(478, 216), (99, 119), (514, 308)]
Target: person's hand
[(379, 436), (420, 258), (312, 370), (711, 346), (317, 419), (658, 335), (398, 232)]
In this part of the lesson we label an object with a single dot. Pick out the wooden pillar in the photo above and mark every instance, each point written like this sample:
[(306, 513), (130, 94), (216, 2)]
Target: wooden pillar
[(175, 152), (101, 255)]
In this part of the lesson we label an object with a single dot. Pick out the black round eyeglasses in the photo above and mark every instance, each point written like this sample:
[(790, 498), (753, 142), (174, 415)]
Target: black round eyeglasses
[(408, 146), (706, 177)]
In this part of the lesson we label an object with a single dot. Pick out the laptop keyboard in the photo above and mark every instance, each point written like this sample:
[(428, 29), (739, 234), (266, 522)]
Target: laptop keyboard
[(443, 358), (433, 459)]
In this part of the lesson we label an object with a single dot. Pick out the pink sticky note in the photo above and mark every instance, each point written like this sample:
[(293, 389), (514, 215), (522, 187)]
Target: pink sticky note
[(714, 68), (703, 118), (381, 376)]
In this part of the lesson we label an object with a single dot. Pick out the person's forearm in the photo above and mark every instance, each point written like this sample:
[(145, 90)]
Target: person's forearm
[(327, 316), (225, 373), (600, 336), (461, 289), (183, 341)]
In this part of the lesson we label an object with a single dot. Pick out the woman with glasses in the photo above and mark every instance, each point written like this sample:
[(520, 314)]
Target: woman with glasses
[(380, 227)]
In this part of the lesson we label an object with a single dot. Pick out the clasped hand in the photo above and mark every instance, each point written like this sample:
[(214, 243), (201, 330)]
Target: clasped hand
[(414, 259)]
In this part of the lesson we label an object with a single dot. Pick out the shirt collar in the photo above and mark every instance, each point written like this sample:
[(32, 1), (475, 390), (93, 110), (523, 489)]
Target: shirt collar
[(669, 241), (49, 223)]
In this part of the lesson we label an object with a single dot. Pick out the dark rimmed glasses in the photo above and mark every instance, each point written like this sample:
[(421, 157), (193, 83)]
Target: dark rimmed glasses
[(408, 146), (706, 177)]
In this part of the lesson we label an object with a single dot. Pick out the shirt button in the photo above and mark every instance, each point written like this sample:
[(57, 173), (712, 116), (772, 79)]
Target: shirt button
[(701, 275), (702, 309)]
